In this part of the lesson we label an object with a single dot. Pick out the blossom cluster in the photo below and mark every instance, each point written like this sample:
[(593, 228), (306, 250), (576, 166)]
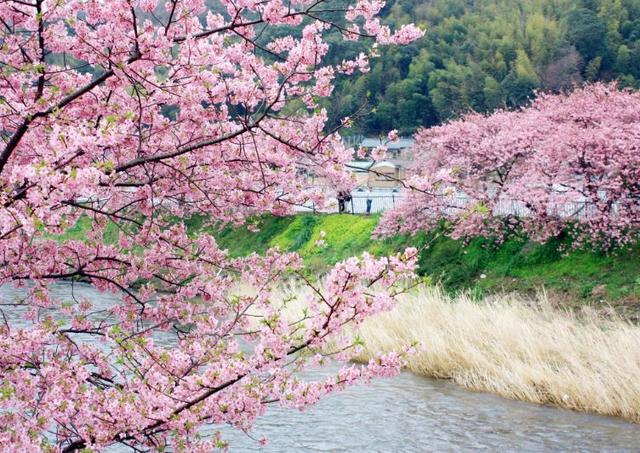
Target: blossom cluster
[(567, 162), (133, 115)]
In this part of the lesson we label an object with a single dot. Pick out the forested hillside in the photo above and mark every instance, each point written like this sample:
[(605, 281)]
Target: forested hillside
[(486, 54)]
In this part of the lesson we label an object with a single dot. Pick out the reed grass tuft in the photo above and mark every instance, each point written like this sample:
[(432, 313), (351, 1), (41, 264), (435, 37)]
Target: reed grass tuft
[(517, 348)]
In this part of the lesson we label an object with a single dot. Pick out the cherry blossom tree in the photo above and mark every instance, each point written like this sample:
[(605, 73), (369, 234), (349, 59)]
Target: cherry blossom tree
[(567, 162), (137, 114)]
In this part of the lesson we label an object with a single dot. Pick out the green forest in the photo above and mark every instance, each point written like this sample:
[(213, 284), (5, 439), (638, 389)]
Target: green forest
[(483, 55)]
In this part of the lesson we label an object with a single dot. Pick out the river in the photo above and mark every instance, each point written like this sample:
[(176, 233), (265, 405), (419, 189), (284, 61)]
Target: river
[(413, 414)]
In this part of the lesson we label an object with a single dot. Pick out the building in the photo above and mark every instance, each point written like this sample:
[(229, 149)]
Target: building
[(379, 185), (383, 175), (387, 174), (401, 149)]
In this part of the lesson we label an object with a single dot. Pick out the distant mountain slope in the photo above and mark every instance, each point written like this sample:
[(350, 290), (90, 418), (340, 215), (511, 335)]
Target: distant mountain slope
[(486, 54)]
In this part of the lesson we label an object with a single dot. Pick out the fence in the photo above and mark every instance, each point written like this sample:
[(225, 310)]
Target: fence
[(580, 210), (360, 203), (371, 203), (376, 202)]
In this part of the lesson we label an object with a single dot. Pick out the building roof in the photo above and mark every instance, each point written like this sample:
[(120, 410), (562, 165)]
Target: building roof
[(401, 143), (403, 163), (362, 166)]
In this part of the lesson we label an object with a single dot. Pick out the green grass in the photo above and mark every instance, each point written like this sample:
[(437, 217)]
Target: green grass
[(242, 241), (346, 236), (480, 266), (524, 266), (82, 226)]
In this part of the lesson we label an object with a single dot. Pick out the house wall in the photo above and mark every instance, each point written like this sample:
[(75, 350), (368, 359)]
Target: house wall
[(386, 177)]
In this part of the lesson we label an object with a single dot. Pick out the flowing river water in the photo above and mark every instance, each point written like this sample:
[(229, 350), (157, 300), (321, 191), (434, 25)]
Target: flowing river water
[(409, 414)]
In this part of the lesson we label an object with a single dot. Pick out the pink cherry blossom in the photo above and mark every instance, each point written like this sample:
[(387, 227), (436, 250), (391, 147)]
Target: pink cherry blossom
[(379, 152), (567, 162), (133, 115)]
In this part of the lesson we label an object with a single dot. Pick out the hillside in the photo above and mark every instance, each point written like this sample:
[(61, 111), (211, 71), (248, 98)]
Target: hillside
[(477, 55), (487, 54)]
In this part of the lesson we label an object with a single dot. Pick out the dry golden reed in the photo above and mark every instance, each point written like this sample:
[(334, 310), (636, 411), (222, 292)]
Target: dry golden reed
[(524, 350)]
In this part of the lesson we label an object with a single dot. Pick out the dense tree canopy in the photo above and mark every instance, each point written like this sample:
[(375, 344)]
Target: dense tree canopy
[(484, 54)]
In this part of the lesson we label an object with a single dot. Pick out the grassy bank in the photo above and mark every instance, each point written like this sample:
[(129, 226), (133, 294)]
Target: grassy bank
[(575, 277), (524, 351)]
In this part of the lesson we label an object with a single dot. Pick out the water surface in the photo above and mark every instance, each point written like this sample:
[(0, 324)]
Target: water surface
[(409, 414), (414, 414)]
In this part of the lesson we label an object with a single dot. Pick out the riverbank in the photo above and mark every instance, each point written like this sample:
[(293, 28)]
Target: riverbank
[(529, 347), (523, 349), (571, 278)]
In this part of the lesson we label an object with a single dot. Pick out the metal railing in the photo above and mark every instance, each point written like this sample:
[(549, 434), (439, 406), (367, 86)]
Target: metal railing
[(372, 203)]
